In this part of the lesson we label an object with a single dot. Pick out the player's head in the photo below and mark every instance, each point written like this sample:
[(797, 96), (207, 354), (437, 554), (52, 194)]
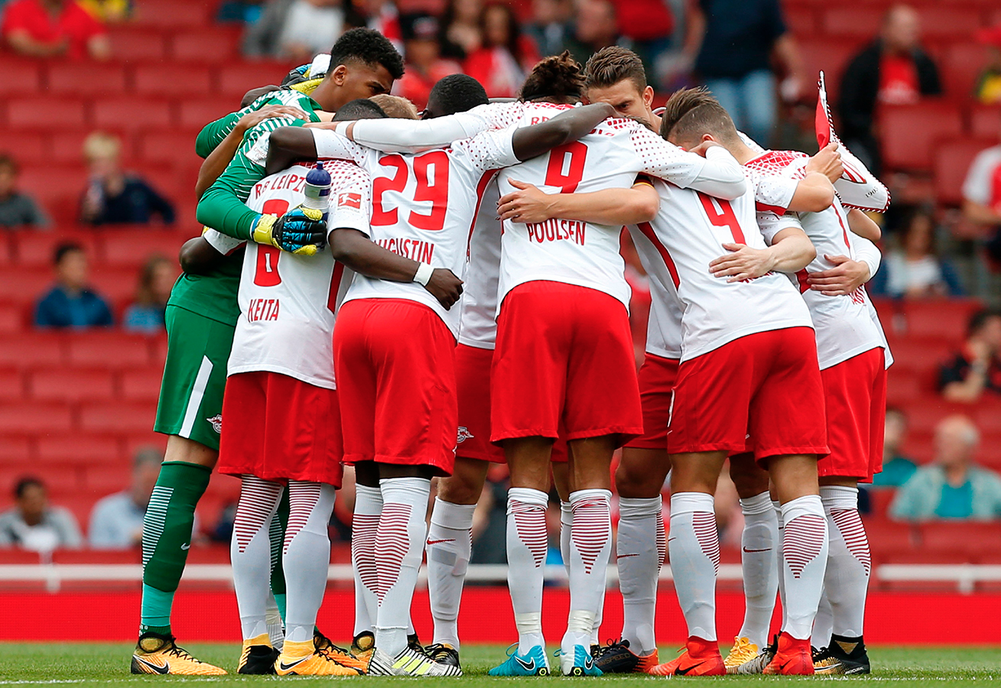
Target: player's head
[(70, 263), (616, 76), (556, 79), (361, 108), (255, 93), (455, 93), (396, 107), (363, 63), (29, 493), (693, 115)]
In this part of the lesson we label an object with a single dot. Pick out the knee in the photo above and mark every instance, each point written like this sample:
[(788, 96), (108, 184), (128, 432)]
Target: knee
[(458, 489), (636, 484)]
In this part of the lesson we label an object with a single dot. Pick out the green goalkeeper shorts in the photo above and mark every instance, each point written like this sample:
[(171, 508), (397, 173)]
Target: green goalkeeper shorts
[(194, 377)]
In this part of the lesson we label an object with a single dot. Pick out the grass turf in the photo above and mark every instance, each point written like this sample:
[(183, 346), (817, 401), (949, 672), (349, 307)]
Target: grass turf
[(96, 664)]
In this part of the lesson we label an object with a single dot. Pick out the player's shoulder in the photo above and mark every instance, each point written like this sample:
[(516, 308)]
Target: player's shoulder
[(345, 173), (777, 163)]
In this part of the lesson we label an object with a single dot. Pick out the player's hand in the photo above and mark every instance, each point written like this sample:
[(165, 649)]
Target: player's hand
[(742, 263), (841, 280), (252, 119), (301, 231), (445, 287), (827, 162), (703, 147), (528, 204)]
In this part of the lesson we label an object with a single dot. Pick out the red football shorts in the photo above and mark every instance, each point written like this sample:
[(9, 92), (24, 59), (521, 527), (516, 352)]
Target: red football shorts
[(855, 394), (394, 361), (472, 377), (657, 378), (280, 428), (564, 353), (761, 393)]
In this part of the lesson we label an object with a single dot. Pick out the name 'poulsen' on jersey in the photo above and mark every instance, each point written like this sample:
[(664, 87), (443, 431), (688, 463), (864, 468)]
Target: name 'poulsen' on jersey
[(557, 230)]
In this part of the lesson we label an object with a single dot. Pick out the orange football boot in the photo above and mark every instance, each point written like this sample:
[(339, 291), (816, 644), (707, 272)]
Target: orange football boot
[(700, 658), (793, 657)]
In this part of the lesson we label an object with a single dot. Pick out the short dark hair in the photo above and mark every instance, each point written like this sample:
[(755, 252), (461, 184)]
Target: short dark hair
[(456, 93), (255, 93), (692, 112), (979, 319), (368, 46), (63, 249), (558, 78), (22, 485), (8, 161), (359, 108), (613, 64)]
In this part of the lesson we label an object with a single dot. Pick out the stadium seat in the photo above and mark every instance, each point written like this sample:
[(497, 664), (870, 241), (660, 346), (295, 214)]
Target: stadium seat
[(852, 20), (116, 284), (67, 384), (167, 14), (144, 439), (196, 114), (169, 146), (887, 538), (953, 158), (12, 318), (985, 121), (925, 412), (15, 452), (36, 249), (31, 350), (968, 537), (909, 132), (56, 188), (79, 448), (918, 355), (39, 113), (24, 145), (118, 418), (142, 384), (33, 282), (960, 64), (29, 418), (19, 75), (131, 45), (102, 479), (903, 386), (109, 350), (131, 113), (86, 79), (11, 385), (178, 80), (943, 319), (954, 22), (238, 78), (830, 55), (217, 45), (987, 415), (802, 21), (133, 246)]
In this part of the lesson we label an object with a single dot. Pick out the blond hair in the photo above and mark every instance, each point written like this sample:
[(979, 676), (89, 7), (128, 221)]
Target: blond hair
[(100, 144), (396, 107)]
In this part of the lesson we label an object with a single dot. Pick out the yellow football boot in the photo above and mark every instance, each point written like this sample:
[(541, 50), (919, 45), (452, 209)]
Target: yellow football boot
[(743, 651), (158, 654), (303, 659), (323, 644)]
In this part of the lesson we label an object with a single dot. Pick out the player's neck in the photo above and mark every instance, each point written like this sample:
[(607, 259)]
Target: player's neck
[(741, 152)]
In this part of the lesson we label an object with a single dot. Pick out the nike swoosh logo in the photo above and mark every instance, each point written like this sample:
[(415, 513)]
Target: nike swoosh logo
[(588, 663), (527, 666), (624, 556), (285, 667), (437, 542), (186, 546), (767, 549), (684, 672), (165, 669)]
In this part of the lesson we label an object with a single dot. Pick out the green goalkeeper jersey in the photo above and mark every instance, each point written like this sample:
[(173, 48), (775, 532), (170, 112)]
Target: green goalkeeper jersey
[(214, 295)]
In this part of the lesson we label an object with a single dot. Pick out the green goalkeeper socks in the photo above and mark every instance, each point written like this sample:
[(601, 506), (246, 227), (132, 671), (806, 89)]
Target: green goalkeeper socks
[(166, 538)]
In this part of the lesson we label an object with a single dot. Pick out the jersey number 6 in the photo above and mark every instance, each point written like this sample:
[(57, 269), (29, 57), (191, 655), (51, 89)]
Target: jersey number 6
[(267, 256)]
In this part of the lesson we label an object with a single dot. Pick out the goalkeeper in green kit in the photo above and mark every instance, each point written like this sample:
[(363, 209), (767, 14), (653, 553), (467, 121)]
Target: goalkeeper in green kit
[(202, 312)]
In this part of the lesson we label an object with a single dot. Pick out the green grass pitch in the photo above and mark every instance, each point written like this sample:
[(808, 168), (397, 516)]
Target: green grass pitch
[(100, 664)]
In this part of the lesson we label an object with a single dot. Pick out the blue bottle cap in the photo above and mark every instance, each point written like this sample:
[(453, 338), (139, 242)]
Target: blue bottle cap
[(318, 176)]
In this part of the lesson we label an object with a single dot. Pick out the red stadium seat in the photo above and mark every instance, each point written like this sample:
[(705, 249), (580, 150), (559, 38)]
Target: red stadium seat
[(852, 20), (118, 418), (38, 248), (953, 158), (130, 44), (11, 385), (144, 439), (32, 282), (24, 145), (15, 452), (67, 384), (103, 479), (960, 65), (985, 121), (55, 188), (11, 318), (116, 284), (19, 76), (889, 537), (919, 354), (110, 350), (802, 20), (830, 55), (909, 132), (238, 78), (216, 45), (79, 448), (166, 79), (142, 384), (86, 79), (167, 14), (198, 113), (987, 415), (169, 146), (903, 386), (943, 319), (40, 113), (28, 418), (131, 113), (948, 21), (968, 537), (66, 148), (133, 246), (32, 350)]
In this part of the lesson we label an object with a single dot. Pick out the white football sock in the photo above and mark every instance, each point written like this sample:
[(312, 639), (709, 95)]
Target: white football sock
[(449, 546), (822, 624), (804, 553), (640, 554), (590, 549), (694, 548), (759, 564), (364, 526), (527, 543), (273, 620), (566, 525), (306, 557), (779, 565), (250, 552), (399, 544), (848, 562)]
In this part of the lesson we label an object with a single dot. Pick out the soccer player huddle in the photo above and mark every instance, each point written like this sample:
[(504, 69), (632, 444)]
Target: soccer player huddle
[(418, 295)]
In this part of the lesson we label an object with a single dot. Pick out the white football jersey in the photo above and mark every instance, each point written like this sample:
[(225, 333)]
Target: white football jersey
[(288, 302), (844, 327), (688, 233), (663, 329), (575, 252), (423, 206), (478, 307)]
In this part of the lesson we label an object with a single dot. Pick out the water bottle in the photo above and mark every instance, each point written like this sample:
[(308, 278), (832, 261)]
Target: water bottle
[(317, 190)]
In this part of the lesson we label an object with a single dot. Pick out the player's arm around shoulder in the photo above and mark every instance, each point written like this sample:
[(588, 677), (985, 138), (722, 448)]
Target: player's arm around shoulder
[(530, 205), (789, 251), (566, 127)]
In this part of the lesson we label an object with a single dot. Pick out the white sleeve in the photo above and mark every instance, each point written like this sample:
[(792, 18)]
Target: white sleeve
[(977, 187), (772, 193), (771, 224), (331, 145), (751, 143), (857, 187), (222, 243), (718, 174), (490, 150), (408, 136), (351, 201), (866, 252)]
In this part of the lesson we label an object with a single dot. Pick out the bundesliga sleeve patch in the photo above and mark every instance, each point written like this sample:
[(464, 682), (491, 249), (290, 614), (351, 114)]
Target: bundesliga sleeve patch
[(349, 200)]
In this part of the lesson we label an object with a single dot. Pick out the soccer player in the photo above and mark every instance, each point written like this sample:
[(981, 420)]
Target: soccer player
[(402, 432)]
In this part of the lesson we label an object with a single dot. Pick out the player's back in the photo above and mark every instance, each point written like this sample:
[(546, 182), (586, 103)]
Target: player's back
[(691, 228), (663, 332), (478, 306)]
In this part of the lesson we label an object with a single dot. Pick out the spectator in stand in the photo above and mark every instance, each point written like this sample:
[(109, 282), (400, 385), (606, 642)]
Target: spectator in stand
[(53, 28), (424, 62), (596, 27), (114, 196), (505, 57), (916, 270), (155, 282), (951, 487), (550, 27), (988, 87), (17, 209), (34, 525), (460, 34), (108, 11), (897, 468), (740, 41), (378, 15), (891, 70), (982, 199), (296, 30), (976, 368), (240, 12), (116, 521), (70, 303), (649, 24)]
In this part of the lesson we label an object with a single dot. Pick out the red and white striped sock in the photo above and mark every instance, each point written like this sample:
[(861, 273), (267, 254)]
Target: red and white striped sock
[(804, 552), (590, 549), (399, 543), (250, 552), (364, 526), (306, 555), (527, 543), (640, 550), (848, 562), (694, 548)]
